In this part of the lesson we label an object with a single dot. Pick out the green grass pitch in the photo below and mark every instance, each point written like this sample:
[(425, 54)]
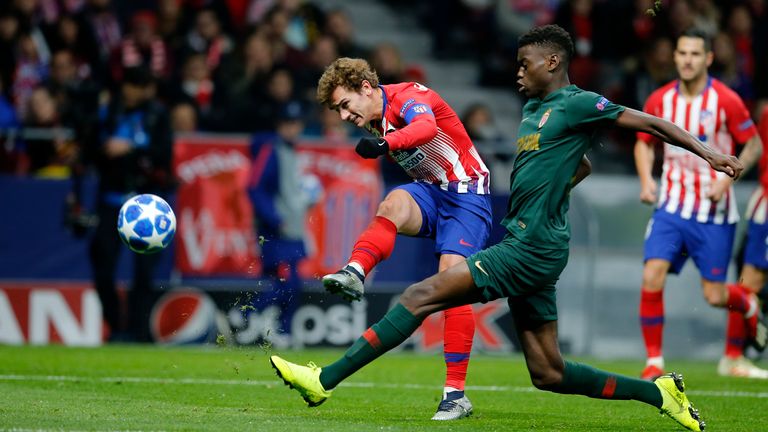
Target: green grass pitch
[(148, 388)]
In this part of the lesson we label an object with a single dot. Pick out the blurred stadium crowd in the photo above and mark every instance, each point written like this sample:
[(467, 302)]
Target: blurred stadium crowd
[(230, 65)]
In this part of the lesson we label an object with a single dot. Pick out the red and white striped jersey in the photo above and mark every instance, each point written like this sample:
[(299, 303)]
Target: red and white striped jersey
[(757, 210), (719, 119), (427, 139)]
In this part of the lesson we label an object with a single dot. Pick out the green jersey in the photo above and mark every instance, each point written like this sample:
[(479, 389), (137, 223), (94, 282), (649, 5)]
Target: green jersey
[(554, 135)]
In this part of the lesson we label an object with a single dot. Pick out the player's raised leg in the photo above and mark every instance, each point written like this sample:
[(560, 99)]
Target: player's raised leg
[(398, 213), (451, 288)]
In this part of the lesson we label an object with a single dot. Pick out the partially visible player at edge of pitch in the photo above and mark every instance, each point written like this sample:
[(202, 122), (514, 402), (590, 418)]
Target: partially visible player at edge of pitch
[(559, 121), (448, 200), (754, 273), (696, 210)]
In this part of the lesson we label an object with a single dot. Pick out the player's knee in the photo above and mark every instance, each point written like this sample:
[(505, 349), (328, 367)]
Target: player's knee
[(416, 299), (715, 297), (547, 379), (389, 208), (653, 278)]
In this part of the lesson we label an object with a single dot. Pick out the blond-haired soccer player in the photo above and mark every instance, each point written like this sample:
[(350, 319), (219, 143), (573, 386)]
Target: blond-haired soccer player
[(560, 120)]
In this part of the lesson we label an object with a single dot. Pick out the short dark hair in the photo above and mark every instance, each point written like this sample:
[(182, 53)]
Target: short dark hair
[(698, 33), (551, 36)]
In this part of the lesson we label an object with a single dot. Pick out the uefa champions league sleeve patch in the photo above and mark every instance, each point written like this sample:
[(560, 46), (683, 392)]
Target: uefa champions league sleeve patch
[(602, 103)]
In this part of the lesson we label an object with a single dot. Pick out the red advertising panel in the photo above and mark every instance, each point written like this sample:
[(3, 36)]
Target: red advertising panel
[(352, 188), (215, 232), (40, 313)]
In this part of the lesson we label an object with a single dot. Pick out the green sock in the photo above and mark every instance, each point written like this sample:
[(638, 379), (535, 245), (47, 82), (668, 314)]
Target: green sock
[(396, 326), (585, 380)]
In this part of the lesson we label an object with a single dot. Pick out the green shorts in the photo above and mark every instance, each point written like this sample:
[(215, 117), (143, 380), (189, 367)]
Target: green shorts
[(524, 274)]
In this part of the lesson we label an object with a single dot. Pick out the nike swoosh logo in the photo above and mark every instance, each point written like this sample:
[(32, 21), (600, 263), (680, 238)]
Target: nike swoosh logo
[(464, 243), (479, 267)]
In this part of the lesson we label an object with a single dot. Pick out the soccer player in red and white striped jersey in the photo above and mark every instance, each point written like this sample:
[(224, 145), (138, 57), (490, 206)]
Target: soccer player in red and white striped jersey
[(696, 211), (448, 200), (754, 274)]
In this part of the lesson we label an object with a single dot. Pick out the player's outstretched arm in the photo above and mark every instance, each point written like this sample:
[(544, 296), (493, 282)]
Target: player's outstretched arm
[(668, 132)]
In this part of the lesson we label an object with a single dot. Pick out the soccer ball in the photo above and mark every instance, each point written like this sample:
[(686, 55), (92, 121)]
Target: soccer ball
[(146, 224)]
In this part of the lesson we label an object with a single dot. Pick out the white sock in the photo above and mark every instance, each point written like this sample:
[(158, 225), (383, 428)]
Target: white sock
[(752, 308), (357, 267), (655, 361), (447, 390)]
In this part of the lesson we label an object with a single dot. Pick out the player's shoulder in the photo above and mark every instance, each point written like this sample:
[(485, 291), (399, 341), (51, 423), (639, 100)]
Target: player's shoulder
[(724, 93), (574, 91), (659, 93), (576, 95), (406, 89), (404, 96)]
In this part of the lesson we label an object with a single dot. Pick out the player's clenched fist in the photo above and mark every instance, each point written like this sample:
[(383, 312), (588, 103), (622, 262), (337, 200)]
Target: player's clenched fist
[(371, 148)]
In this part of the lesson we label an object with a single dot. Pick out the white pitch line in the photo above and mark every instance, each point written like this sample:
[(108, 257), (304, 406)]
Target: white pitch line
[(246, 382)]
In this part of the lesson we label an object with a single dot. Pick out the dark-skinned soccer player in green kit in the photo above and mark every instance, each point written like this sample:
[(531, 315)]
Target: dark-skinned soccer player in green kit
[(559, 120)]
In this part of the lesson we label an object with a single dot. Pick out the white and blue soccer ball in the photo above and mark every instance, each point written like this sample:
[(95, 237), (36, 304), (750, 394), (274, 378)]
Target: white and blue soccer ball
[(146, 224)]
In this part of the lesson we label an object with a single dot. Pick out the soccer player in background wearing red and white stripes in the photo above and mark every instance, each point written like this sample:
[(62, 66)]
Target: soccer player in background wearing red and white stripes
[(448, 200), (696, 211), (754, 274)]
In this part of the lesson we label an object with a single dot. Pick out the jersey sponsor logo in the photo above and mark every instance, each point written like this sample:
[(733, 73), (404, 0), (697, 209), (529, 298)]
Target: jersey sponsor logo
[(465, 243), (528, 143), (409, 159), (602, 103), (401, 155), (706, 118), (544, 118), (479, 267), (522, 224), (420, 87)]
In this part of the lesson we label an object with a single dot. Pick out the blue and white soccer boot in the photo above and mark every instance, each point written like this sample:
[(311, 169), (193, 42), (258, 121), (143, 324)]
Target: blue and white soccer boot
[(454, 406), (347, 282)]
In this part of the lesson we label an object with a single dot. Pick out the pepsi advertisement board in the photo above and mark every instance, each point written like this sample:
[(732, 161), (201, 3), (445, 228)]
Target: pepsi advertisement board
[(70, 314), (190, 315)]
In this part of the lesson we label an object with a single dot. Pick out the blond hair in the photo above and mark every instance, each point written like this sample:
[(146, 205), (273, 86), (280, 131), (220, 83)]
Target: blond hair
[(345, 72)]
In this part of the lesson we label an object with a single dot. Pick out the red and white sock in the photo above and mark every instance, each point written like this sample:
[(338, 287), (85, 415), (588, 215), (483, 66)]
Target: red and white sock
[(458, 334), (652, 321), (735, 335), (741, 300), (374, 245)]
